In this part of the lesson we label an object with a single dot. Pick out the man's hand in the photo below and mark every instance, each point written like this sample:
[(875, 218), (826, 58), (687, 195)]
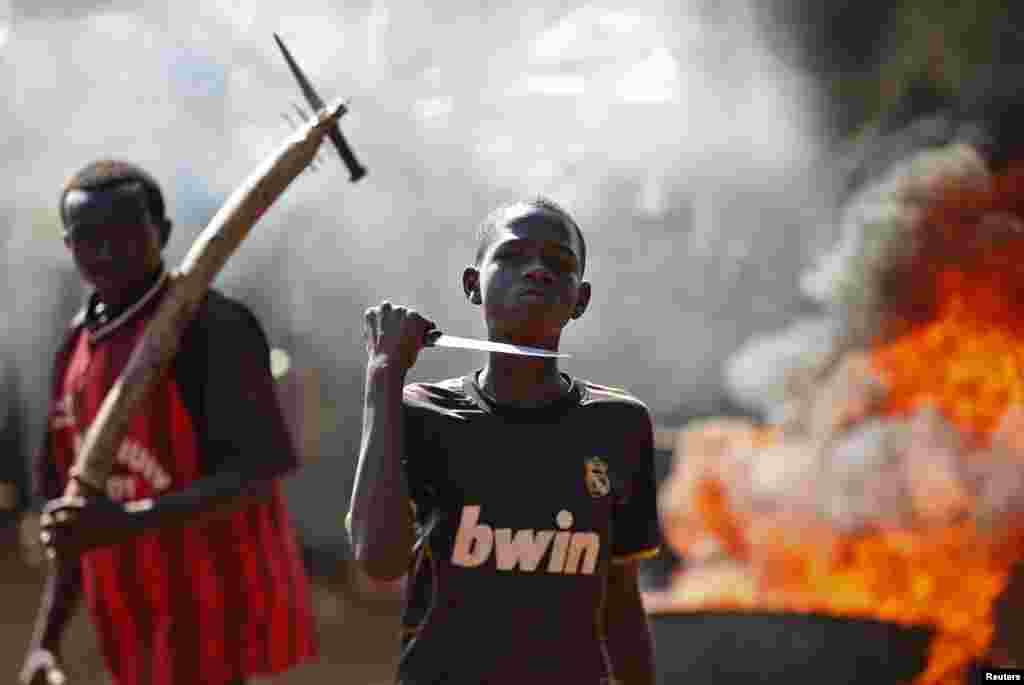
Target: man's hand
[(42, 667), (73, 525), (395, 336)]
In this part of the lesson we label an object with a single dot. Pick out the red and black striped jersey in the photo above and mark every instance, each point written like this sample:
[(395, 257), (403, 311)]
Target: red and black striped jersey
[(211, 603), (519, 513)]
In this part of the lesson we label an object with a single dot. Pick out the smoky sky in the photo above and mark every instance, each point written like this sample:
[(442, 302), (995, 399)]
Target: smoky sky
[(688, 151)]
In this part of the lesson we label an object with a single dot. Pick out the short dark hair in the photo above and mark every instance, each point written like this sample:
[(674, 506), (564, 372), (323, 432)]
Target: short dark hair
[(496, 219), (105, 174)]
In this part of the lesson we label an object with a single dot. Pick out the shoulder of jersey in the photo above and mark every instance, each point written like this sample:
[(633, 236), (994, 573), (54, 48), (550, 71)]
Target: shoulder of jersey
[(607, 394), (440, 395), (220, 310), (228, 318)]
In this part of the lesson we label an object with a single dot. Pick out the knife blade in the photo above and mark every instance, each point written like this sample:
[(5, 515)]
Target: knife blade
[(444, 340)]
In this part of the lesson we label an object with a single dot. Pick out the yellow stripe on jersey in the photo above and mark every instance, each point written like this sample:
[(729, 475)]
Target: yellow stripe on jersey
[(637, 556), (611, 390)]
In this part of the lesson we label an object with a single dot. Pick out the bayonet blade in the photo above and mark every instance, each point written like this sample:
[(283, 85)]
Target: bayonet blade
[(444, 340), (355, 169), (307, 88)]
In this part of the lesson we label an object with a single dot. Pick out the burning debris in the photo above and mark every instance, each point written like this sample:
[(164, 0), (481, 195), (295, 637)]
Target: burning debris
[(890, 483)]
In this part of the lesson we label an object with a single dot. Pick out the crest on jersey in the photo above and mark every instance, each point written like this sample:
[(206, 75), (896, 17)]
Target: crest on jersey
[(595, 475)]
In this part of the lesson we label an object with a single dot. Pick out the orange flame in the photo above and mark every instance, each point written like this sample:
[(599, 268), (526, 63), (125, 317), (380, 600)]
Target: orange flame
[(948, 579), (968, 361), (959, 296)]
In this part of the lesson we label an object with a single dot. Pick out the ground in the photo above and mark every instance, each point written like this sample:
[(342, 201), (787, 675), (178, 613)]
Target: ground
[(358, 638)]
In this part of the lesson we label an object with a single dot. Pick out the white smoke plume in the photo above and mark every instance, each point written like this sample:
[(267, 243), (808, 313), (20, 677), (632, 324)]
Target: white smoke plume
[(684, 147)]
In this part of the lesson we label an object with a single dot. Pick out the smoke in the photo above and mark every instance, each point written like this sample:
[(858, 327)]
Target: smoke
[(686, 149)]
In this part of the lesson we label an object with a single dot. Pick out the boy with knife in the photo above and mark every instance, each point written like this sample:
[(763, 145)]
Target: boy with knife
[(518, 499)]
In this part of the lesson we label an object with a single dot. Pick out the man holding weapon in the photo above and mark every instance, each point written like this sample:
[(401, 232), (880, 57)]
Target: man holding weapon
[(167, 441), (518, 500)]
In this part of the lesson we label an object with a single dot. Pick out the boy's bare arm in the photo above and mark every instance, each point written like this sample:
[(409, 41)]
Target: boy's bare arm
[(378, 520), (74, 525), (215, 496), (629, 637)]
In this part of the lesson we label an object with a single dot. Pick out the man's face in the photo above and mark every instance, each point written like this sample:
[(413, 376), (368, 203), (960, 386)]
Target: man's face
[(529, 279), (114, 247)]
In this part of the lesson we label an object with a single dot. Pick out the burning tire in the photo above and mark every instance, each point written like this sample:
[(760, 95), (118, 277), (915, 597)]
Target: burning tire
[(738, 648)]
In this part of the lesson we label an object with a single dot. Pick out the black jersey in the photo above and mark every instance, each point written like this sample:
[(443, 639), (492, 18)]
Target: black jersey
[(519, 513)]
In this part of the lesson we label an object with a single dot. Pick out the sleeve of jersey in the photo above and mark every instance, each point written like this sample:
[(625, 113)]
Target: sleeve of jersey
[(244, 428), (636, 534)]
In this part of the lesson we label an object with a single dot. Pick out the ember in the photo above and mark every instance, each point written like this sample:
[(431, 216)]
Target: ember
[(893, 487)]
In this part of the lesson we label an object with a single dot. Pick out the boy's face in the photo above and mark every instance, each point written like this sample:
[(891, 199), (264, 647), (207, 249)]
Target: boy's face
[(114, 251), (528, 279)]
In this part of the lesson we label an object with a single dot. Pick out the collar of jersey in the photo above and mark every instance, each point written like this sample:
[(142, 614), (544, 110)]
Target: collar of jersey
[(551, 410), (99, 330)]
